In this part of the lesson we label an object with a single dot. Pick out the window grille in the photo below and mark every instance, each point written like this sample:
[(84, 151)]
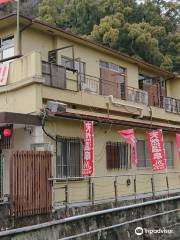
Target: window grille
[(143, 155), (118, 155), (69, 155)]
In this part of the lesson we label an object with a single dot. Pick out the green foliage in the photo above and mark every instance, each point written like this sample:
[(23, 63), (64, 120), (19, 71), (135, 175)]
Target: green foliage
[(146, 31)]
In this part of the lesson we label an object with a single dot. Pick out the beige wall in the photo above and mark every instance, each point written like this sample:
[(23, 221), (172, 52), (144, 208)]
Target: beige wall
[(104, 187), (21, 100), (41, 42)]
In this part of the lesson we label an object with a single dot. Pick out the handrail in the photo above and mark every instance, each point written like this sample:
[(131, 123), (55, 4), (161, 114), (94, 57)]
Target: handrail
[(113, 176)]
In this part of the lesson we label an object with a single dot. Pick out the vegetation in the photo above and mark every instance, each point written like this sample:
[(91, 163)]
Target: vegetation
[(146, 29)]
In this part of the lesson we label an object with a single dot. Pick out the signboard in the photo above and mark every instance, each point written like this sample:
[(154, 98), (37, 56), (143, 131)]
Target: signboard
[(4, 69), (156, 148), (88, 161), (129, 136)]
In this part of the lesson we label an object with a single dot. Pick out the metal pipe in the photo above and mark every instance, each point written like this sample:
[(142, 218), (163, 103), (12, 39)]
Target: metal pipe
[(87, 215), (109, 176), (119, 225)]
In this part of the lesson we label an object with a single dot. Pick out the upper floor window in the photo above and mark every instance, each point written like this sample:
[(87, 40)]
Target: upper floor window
[(118, 155), (76, 65), (6, 47), (113, 78), (69, 157)]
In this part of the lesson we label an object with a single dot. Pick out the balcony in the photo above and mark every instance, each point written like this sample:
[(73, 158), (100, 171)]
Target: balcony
[(171, 105), (63, 78)]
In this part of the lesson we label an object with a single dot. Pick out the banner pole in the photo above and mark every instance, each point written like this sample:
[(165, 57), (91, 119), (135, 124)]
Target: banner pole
[(18, 28), (166, 172)]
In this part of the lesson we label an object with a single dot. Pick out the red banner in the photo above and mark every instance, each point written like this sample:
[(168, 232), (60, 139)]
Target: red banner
[(156, 148), (4, 69), (4, 1), (178, 144), (129, 136), (88, 163)]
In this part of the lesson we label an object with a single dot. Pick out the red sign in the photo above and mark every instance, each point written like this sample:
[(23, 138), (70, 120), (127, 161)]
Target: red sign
[(88, 163), (156, 148), (129, 136), (178, 144)]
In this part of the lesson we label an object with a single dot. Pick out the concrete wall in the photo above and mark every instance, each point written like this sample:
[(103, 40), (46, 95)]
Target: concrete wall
[(165, 211)]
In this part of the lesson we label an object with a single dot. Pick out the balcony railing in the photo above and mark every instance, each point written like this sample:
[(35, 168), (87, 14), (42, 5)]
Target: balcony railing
[(63, 78), (171, 105)]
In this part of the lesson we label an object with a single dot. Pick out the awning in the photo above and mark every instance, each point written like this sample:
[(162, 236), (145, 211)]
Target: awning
[(19, 118)]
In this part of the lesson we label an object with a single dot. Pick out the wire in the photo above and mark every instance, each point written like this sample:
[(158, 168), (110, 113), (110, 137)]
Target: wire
[(45, 115)]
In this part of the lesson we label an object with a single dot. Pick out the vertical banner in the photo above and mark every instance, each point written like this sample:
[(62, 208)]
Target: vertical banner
[(4, 69), (156, 148), (88, 161), (178, 144), (129, 136)]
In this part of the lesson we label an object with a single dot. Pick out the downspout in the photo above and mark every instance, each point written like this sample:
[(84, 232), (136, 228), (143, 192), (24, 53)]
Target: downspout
[(122, 104)]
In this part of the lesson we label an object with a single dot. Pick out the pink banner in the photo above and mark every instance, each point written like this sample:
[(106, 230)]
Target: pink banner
[(4, 69), (4, 1), (88, 163), (129, 136), (156, 148), (178, 144)]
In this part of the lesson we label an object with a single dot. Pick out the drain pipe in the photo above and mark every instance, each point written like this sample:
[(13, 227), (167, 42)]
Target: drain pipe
[(118, 103)]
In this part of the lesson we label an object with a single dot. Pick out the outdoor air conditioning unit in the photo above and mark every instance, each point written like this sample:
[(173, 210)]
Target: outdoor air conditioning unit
[(55, 106)]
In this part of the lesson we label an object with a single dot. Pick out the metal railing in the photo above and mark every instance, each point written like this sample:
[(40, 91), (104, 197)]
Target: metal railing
[(60, 77), (99, 189), (171, 105)]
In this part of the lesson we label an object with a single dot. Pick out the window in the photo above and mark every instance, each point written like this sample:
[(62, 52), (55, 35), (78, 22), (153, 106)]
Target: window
[(111, 66), (78, 65), (143, 154), (118, 155), (6, 47), (169, 146), (69, 155)]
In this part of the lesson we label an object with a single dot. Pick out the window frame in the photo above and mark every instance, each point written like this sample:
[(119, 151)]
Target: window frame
[(6, 47), (120, 165), (150, 164), (60, 166)]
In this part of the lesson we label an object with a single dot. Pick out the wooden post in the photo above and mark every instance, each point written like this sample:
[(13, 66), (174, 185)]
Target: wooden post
[(153, 188), (93, 193), (135, 189), (115, 191)]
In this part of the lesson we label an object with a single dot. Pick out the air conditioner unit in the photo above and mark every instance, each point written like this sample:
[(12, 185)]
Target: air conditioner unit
[(167, 104), (55, 106)]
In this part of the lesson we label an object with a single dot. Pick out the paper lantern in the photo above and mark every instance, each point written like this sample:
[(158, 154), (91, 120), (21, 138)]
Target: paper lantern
[(7, 132)]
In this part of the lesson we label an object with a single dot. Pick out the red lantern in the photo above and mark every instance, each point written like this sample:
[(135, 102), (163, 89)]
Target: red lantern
[(7, 132)]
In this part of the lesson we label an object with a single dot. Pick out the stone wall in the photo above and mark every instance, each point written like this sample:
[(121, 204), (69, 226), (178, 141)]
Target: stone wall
[(62, 228)]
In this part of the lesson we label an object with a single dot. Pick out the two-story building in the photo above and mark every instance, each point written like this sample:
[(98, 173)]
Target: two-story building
[(95, 83)]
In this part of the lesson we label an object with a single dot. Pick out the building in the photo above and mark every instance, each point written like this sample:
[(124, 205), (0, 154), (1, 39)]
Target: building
[(96, 83)]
